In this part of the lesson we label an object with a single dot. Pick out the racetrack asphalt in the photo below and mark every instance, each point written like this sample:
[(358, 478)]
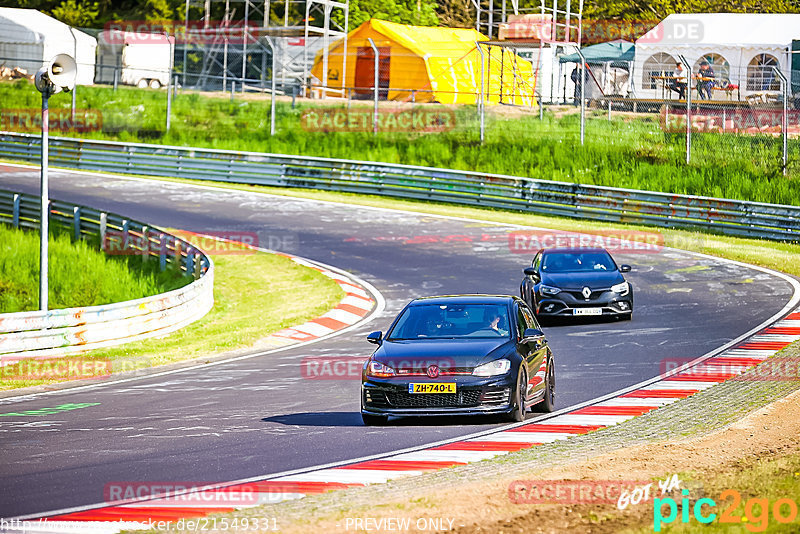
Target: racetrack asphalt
[(260, 416)]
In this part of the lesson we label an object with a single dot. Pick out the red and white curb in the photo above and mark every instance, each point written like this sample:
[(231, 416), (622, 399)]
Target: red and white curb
[(685, 381), (356, 304)]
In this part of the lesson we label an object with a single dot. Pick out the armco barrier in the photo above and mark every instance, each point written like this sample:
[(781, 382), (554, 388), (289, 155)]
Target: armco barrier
[(748, 219), (57, 332)]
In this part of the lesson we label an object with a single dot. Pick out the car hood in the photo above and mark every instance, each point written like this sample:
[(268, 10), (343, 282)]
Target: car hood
[(420, 353), (578, 280)]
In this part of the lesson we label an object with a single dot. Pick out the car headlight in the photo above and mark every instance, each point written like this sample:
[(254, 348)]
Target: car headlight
[(549, 290), (622, 288), (495, 368), (379, 370)]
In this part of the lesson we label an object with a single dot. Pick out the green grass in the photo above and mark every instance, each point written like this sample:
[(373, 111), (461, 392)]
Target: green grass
[(79, 273), (628, 151), (254, 295)]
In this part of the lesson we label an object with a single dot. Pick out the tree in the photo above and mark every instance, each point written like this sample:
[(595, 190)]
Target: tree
[(416, 12), (75, 13)]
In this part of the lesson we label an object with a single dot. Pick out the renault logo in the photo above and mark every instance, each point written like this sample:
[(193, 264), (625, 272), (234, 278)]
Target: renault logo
[(433, 371), (586, 292)]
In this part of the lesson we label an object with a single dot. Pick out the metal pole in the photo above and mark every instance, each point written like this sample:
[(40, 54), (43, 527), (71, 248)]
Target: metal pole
[(169, 102), (480, 99), (784, 118), (45, 210), (583, 96), (272, 98), (185, 38), (245, 35), (375, 85), (688, 68)]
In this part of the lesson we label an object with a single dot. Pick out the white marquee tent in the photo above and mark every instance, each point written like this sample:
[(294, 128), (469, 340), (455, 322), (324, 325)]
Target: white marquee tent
[(29, 38), (742, 49)]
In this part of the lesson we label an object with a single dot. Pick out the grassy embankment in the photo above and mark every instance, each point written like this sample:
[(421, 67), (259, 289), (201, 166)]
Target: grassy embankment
[(254, 294), (628, 151)]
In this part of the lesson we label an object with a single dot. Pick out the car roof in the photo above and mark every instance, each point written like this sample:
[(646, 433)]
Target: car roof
[(573, 250), (464, 299)]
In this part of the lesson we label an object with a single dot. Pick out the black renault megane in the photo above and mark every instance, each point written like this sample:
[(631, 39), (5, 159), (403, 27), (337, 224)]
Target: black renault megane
[(459, 355), (577, 281)]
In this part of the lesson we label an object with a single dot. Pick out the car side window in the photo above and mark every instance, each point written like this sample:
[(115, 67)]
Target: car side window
[(522, 323), (529, 318), (537, 261)]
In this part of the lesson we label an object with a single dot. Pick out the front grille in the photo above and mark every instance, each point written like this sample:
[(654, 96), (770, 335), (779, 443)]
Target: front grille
[(579, 296), (402, 399), (423, 371)]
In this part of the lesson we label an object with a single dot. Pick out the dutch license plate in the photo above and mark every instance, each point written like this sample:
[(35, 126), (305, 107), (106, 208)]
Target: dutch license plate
[(587, 311), (432, 387)]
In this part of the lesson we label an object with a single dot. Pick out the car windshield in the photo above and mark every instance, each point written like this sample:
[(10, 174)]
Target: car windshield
[(567, 262), (451, 321)]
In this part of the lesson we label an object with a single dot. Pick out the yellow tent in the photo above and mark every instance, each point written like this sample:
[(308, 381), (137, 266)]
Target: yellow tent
[(426, 64)]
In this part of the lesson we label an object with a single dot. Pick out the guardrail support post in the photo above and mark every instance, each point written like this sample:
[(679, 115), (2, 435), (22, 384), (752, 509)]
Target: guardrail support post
[(125, 229), (198, 265), (76, 223), (15, 213), (162, 252), (177, 254), (189, 262), (103, 228), (145, 244)]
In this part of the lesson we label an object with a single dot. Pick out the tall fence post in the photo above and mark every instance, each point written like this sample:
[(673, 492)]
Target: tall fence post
[(481, 114), (688, 68), (784, 118), (376, 85), (169, 102), (583, 95)]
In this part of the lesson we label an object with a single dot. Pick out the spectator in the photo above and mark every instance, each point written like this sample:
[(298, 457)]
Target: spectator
[(679, 81), (576, 79), (705, 80)]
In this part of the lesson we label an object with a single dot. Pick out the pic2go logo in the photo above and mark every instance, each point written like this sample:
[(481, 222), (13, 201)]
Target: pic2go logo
[(756, 511)]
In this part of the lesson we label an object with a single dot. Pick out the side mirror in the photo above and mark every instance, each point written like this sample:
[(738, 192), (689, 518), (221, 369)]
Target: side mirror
[(531, 271), (624, 268), (533, 334), (375, 337)]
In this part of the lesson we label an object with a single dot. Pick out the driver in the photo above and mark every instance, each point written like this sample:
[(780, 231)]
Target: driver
[(495, 320)]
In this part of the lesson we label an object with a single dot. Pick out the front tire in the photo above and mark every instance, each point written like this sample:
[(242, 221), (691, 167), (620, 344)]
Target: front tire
[(517, 414), (374, 420), (548, 404)]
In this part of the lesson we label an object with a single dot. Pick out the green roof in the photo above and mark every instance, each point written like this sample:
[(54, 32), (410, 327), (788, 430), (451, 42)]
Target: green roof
[(619, 50)]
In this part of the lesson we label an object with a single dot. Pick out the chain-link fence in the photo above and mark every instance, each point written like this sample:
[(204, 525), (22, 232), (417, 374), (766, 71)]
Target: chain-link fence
[(502, 94)]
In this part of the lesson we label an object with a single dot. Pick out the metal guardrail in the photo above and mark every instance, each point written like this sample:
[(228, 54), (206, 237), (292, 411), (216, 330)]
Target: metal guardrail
[(733, 217), (63, 331)]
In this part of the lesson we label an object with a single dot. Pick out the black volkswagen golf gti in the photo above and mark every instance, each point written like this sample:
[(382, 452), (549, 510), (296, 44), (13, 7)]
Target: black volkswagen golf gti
[(577, 281), (459, 355)]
